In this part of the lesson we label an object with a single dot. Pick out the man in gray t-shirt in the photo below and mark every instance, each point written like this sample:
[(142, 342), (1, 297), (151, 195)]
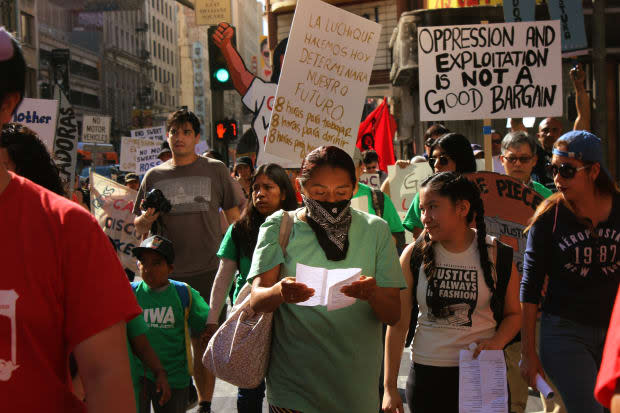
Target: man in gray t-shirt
[(197, 188)]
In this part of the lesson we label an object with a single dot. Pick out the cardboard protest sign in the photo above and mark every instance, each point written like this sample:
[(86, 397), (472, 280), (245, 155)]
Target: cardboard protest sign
[(157, 133), (112, 204), (212, 12), (146, 158), (519, 11), (573, 32), (40, 115), (66, 142), (324, 80), (372, 180), (405, 183), (360, 203), (490, 71), (96, 129), (129, 152), (508, 206)]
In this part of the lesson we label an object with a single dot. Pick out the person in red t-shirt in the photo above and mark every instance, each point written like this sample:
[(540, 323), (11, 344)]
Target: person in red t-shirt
[(607, 390), (62, 290)]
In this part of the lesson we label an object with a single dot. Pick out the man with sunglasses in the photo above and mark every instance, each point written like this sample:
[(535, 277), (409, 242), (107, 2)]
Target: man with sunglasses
[(518, 159), (496, 147)]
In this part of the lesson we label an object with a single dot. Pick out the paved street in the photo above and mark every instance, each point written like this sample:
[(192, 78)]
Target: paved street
[(226, 395)]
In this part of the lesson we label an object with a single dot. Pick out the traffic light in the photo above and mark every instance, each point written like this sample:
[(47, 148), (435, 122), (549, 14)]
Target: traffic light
[(226, 130), (218, 69)]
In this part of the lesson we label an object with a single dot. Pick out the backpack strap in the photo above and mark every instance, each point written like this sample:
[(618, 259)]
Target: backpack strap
[(503, 270), (415, 262), (286, 226), (185, 295), (378, 199)]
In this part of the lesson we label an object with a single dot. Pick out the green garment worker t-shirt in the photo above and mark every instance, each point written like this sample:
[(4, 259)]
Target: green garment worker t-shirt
[(327, 361), (389, 211), (228, 249), (164, 316)]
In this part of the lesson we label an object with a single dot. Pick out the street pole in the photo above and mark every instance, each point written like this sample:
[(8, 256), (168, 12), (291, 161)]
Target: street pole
[(599, 57)]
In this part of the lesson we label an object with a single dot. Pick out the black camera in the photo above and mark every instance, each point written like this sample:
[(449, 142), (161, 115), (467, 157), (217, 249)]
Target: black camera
[(155, 199)]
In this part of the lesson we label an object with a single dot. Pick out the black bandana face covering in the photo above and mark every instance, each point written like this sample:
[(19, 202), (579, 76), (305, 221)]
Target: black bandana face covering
[(330, 222)]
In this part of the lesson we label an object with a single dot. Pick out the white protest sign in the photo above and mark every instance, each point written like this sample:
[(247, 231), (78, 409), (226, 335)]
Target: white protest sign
[(490, 71), (96, 129), (112, 205), (146, 158), (129, 152), (372, 180), (66, 142), (405, 183), (324, 81), (157, 133), (39, 115)]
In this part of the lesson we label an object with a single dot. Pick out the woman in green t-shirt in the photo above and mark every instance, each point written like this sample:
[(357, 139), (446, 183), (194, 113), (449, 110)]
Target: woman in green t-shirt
[(326, 361), (271, 190)]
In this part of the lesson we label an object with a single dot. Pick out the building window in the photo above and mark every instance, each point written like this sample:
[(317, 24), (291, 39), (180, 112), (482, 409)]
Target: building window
[(160, 75), (154, 48), (172, 78), (116, 32), (158, 32), (153, 24), (159, 50), (27, 29), (153, 3)]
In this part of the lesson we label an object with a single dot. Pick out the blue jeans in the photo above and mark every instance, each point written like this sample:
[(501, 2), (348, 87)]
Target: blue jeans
[(251, 400), (571, 355)]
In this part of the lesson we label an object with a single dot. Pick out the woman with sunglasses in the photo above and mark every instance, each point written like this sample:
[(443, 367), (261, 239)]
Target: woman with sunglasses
[(574, 239), (450, 153)]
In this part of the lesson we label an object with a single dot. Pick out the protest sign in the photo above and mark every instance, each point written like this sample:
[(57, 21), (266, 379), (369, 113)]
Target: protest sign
[(66, 142), (324, 81), (519, 10), (146, 158), (372, 180), (129, 152), (573, 32), (112, 204), (405, 183), (96, 129), (508, 206), (39, 115), (490, 71), (212, 12), (157, 133)]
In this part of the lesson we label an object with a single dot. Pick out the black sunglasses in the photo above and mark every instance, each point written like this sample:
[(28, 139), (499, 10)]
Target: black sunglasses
[(521, 159), (443, 160), (565, 170)]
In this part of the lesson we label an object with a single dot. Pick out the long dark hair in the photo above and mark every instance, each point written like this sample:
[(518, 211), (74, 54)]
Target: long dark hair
[(245, 230), (278, 52), (13, 71), (457, 188), (30, 156), (326, 156), (458, 148)]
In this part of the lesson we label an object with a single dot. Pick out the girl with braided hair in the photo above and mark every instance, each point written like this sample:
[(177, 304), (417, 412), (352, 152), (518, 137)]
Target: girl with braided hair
[(462, 299)]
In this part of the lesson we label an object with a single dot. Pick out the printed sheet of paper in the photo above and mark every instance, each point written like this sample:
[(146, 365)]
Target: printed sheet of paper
[(312, 277), (337, 279), (327, 285), (482, 382)]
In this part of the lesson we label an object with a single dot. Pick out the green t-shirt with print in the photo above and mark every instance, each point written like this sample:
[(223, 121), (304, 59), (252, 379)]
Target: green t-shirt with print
[(389, 211), (228, 249), (541, 189), (135, 328), (327, 361), (164, 316)]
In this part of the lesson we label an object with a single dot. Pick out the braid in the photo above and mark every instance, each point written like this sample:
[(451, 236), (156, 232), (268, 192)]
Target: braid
[(481, 232), (428, 261)]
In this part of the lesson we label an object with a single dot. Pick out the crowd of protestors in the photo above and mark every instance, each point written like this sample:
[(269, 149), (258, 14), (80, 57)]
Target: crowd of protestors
[(80, 332)]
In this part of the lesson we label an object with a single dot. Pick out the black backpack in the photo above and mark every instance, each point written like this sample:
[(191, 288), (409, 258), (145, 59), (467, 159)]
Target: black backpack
[(378, 199), (503, 266)]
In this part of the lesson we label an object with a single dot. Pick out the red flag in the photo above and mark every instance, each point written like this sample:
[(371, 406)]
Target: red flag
[(377, 132)]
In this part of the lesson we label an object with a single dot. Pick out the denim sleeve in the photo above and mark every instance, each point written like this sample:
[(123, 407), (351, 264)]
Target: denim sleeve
[(534, 263)]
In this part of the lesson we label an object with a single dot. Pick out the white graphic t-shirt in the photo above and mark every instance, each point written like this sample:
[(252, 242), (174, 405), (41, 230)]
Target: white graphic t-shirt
[(260, 99), (466, 315)]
